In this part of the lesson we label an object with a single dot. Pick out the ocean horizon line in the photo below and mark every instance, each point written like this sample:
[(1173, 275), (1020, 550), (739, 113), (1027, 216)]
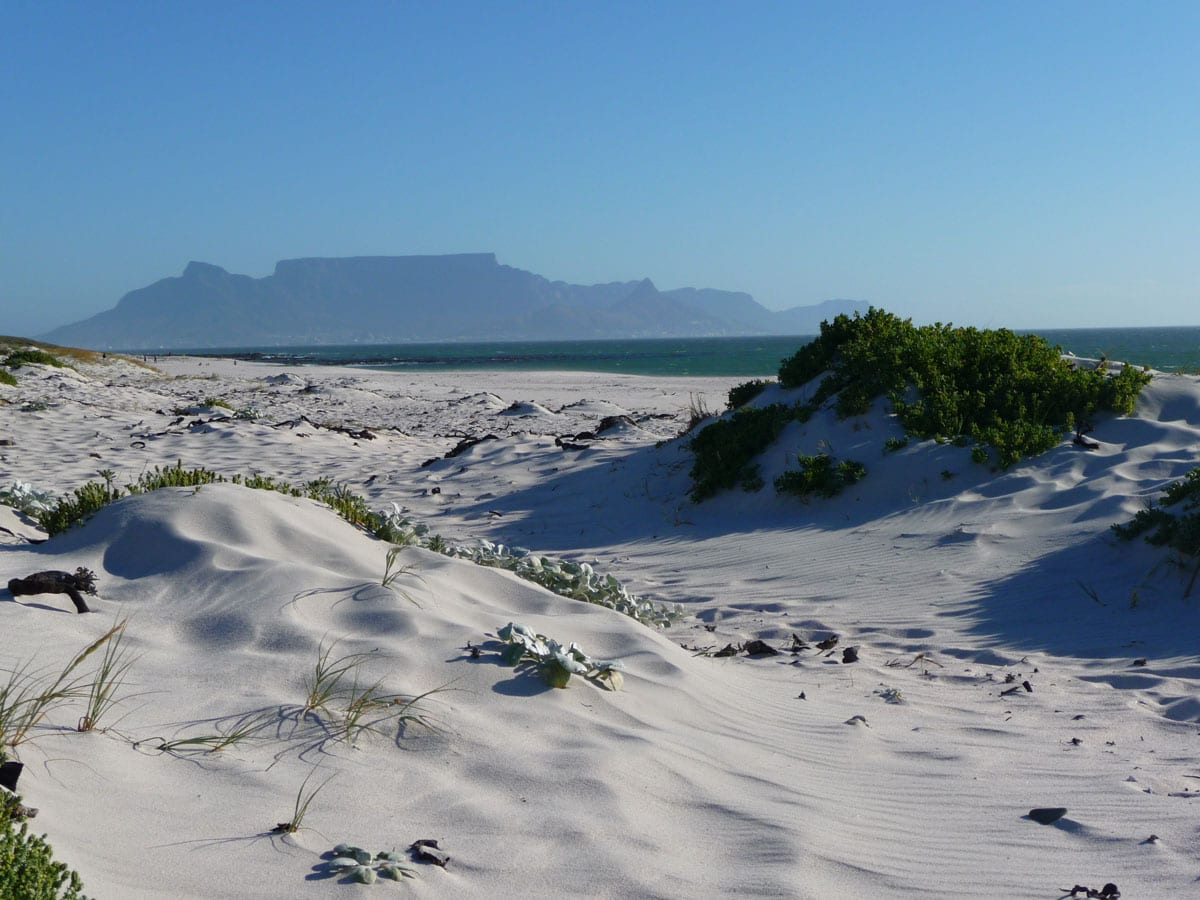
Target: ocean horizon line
[(1167, 348)]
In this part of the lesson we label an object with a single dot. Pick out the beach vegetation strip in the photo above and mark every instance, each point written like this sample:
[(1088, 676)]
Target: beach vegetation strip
[(578, 581), (1173, 522), (1010, 396)]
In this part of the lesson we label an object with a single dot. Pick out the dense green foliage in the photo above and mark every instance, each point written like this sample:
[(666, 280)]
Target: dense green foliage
[(741, 394), (820, 474), (1013, 393), (1010, 395), (725, 450), (1178, 529), (28, 870), (7, 378), (18, 358)]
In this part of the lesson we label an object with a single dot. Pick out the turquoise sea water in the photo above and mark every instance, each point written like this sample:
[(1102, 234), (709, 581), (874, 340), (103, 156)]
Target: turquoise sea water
[(1168, 349)]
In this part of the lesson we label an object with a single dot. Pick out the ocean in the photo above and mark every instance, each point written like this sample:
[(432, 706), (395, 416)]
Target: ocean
[(1167, 349)]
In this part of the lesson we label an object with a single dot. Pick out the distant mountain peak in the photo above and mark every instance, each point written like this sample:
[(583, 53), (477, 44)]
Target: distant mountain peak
[(395, 299)]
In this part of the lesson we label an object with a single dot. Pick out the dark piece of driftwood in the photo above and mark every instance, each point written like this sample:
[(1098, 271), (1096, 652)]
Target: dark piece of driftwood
[(427, 850), (74, 586)]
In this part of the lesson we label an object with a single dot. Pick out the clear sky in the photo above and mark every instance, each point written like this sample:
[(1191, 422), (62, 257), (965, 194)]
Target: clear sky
[(1000, 164)]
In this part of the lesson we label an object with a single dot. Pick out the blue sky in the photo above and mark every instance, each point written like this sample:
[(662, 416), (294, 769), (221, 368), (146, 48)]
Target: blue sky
[(1011, 164)]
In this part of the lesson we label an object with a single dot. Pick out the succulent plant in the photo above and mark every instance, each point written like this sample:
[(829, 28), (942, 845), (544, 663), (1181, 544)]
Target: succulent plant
[(558, 663), (364, 867)]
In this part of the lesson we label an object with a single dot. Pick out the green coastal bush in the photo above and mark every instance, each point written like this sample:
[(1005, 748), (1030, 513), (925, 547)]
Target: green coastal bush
[(8, 378), (18, 358), (1009, 395), (1177, 528), (741, 394), (820, 474), (28, 870), (724, 451)]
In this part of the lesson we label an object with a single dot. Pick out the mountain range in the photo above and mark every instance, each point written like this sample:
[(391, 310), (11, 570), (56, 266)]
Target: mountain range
[(396, 299)]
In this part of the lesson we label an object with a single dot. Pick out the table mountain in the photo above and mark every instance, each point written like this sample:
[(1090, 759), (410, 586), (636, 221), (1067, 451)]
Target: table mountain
[(393, 299)]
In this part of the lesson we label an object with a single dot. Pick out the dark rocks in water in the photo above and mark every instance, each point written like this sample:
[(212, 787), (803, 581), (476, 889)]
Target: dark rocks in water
[(1047, 815)]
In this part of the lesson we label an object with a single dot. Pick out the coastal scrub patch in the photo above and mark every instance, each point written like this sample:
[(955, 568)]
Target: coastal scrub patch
[(1178, 527), (577, 581), (820, 474), (31, 355), (724, 452), (741, 394), (28, 869), (1008, 395)]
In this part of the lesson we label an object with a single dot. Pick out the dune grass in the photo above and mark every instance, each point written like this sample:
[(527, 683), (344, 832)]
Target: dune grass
[(28, 695), (108, 681), (326, 683), (304, 799)]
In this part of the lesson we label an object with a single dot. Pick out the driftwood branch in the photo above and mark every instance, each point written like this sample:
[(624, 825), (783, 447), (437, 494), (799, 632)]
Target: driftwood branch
[(83, 581)]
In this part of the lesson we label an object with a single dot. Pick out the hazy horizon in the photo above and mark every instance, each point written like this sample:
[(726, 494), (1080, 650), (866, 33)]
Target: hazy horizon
[(1021, 166)]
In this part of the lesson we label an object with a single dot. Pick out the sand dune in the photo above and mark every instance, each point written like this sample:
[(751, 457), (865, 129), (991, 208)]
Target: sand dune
[(908, 773)]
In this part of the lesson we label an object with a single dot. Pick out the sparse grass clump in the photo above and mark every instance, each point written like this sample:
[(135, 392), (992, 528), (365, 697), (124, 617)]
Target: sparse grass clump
[(28, 696), (304, 799), (8, 378), (108, 681)]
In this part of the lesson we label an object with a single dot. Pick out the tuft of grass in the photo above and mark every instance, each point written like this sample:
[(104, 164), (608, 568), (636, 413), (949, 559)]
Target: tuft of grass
[(326, 683), (108, 681), (27, 697), (698, 412), (240, 731), (392, 571), (304, 799), (361, 704), (8, 378)]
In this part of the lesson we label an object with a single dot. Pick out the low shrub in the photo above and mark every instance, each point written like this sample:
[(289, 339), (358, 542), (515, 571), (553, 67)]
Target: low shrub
[(820, 474), (28, 869), (1177, 528), (741, 394), (18, 358), (724, 451), (8, 378)]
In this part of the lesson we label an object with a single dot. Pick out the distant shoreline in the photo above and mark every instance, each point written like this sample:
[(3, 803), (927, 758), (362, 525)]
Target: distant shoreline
[(1166, 349)]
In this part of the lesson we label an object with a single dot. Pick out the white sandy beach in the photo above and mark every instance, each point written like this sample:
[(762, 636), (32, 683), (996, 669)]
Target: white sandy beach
[(908, 773)]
